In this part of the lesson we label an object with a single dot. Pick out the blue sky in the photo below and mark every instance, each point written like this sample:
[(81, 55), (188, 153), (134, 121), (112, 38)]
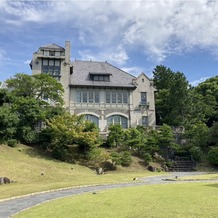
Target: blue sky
[(133, 35)]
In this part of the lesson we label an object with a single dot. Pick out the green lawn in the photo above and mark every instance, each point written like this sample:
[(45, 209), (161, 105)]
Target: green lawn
[(168, 200), (25, 165)]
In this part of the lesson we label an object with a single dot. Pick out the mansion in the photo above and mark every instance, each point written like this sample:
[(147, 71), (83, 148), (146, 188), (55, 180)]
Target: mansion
[(103, 93)]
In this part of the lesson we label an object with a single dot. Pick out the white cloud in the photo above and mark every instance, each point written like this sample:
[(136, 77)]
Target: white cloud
[(117, 56), (133, 70), (27, 62), (157, 27), (196, 82), (3, 56)]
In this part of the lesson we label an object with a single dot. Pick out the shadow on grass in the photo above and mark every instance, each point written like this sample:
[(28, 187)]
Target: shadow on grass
[(36, 152), (214, 185)]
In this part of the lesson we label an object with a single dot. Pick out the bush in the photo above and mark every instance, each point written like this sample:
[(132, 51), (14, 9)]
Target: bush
[(12, 142), (28, 135), (212, 155), (126, 159), (147, 158), (196, 153)]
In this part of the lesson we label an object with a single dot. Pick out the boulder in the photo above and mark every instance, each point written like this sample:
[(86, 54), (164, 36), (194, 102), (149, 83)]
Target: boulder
[(99, 171), (7, 180), (151, 168), (1, 180)]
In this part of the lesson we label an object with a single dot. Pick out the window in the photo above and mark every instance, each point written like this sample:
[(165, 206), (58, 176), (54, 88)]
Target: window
[(145, 121), (143, 80), (125, 97), (78, 97), (51, 53), (51, 67), (87, 96), (100, 77), (92, 119), (96, 97), (114, 100), (118, 97), (118, 119), (45, 53), (108, 97), (91, 95), (143, 97)]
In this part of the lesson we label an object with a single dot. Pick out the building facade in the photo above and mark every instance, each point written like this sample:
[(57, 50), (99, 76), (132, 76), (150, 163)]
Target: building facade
[(102, 92)]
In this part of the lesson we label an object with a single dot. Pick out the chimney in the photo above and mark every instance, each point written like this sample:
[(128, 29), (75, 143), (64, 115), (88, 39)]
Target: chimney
[(67, 51)]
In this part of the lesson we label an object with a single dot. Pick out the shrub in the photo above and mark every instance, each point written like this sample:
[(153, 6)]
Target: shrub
[(147, 158), (126, 159), (196, 153), (12, 142), (212, 155)]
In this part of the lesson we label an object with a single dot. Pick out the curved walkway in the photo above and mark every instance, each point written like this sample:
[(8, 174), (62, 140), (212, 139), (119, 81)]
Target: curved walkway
[(13, 206)]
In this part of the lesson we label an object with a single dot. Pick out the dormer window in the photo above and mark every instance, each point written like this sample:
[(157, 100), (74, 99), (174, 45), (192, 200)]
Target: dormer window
[(104, 77)]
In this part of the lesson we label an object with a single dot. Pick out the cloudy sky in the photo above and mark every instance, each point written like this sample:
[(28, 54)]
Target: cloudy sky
[(134, 35)]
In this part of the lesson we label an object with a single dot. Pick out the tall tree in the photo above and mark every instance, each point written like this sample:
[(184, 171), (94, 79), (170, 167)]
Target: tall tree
[(209, 92), (40, 86), (171, 96)]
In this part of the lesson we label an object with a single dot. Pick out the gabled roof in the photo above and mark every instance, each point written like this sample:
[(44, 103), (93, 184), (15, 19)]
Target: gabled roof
[(82, 70), (52, 46)]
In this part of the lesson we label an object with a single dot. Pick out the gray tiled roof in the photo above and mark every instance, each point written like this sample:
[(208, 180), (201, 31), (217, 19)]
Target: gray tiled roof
[(52, 46), (82, 70)]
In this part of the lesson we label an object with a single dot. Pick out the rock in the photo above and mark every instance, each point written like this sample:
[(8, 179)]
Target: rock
[(99, 171), (6, 180), (1, 180), (151, 168)]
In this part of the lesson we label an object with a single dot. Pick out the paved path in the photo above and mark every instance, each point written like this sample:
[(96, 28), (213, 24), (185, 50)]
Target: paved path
[(13, 206)]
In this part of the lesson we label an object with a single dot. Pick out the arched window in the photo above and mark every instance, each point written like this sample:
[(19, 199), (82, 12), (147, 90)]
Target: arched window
[(92, 119), (118, 119)]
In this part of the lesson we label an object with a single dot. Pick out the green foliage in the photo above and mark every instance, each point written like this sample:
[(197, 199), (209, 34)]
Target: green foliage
[(98, 157), (147, 158), (135, 140), (166, 140), (12, 142), (116, 158), (9, 122), (197, 135), (212, 155), (66, 129), (196, 153), (126, 159), (123, 158), (116, 135), (38, 86), (171, 96), (209, 92), (213, 133), (28, 135)]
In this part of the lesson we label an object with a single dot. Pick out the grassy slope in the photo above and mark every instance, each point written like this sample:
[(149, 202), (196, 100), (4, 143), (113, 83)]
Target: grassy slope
[(25, 165), (168, 200)]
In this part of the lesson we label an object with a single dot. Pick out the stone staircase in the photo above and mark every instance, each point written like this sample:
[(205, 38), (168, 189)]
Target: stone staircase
[(183, 165)]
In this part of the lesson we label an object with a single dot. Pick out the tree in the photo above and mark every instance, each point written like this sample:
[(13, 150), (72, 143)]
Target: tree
[(166, 140), (28, 97), (40, 86), (213, 134), (197, 135), (213, 155), (171, 96), (9, 123), (64, 130), (116, 135), (209, 92), (135, 140)]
